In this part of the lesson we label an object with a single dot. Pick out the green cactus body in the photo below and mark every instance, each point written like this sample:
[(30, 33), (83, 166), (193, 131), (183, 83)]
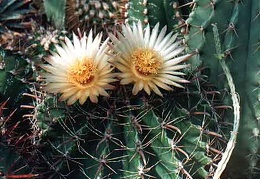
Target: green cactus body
[(124, 140), (172, 163), (152, 12), (238, 24), (137, 11), (133, 146), (246, 58), (55, 11), (14, 72)]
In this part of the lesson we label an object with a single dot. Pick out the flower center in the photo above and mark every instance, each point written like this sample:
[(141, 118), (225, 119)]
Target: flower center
[(82, 71), (146, 61)]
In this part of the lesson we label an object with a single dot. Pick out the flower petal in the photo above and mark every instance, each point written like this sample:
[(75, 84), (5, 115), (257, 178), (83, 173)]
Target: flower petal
[(148, 58), (79, 70)]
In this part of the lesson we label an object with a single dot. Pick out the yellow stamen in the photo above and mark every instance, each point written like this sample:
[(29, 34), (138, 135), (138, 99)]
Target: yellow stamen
[(82, 72), (146, 61)]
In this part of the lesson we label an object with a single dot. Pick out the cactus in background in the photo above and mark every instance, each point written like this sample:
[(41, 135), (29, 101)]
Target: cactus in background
[(85, 14), (170, 12), (240, 50)]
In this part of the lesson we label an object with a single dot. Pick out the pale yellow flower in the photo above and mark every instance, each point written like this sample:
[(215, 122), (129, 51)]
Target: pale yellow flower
[(148, 58), (79, 70)]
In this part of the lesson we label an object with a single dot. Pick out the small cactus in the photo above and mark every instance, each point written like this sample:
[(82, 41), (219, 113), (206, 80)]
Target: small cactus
[(87, 14)]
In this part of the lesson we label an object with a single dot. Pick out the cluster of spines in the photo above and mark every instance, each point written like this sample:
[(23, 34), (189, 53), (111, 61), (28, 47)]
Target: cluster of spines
[(94, 14)]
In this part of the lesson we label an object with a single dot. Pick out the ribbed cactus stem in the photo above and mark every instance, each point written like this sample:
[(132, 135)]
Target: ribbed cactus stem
[(134, 150)]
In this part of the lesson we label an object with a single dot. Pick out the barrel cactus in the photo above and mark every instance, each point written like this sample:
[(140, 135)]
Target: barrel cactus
[(133, 89)]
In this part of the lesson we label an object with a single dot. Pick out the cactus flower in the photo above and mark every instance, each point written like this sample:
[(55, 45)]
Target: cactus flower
[(148, 58), (79, 70)]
